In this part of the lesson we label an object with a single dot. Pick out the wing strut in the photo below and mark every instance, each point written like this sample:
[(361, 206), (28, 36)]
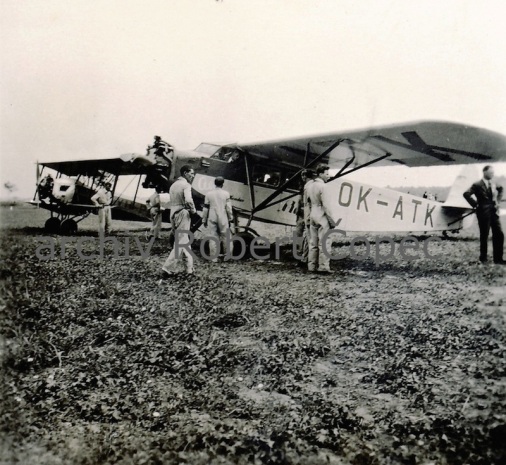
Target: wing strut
[(126, 187), (250, 184), (136, 189), (341, 174), (266, 203), (348, 163), (114, 186)]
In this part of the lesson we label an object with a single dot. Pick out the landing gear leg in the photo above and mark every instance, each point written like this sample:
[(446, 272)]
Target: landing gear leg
[(244, 234)]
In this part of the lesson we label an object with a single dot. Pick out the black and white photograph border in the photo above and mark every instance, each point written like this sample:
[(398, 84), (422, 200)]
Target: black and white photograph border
[(122, 343)]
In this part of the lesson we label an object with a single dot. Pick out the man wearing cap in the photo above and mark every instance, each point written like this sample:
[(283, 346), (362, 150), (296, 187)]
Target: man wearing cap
[(485, 195), (217, 216), (181, 209), (103, 199)]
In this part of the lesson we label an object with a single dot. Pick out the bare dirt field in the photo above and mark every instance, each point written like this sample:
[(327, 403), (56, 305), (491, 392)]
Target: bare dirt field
[(399, 362)]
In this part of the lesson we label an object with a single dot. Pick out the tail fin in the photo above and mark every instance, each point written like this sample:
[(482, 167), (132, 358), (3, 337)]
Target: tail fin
[(456, 199), (467, 176)]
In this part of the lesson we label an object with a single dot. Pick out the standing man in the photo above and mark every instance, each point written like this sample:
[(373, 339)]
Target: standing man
[(181, 207), (218, 216), (162, 150), (319, 221), (484, 196), (155, 211), (300, 227), (46, 188), (159, 172), (103, 199)]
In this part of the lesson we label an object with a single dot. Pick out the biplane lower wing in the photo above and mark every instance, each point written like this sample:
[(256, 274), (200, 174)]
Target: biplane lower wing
[(39, 203)]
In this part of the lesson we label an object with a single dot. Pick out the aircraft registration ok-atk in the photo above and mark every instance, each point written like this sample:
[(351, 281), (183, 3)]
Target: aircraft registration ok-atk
[(264, 178)]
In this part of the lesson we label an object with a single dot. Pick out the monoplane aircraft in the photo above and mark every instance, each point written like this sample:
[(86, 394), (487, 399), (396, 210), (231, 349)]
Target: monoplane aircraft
[(264, 178)]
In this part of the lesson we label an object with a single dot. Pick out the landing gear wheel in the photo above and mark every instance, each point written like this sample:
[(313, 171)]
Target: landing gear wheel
[(68, 227), (52, 225)]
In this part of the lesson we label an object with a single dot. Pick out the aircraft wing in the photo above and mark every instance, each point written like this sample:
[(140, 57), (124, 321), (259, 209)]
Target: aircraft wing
[(425, 143), (39, 203), (124, 165)]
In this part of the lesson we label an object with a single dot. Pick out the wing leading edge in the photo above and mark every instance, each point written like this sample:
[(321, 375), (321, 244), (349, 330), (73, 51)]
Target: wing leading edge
[(416, 144), (92, 168)]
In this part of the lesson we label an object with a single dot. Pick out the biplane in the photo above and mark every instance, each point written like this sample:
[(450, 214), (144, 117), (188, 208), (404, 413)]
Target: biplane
[(65, 189), (265, 183)]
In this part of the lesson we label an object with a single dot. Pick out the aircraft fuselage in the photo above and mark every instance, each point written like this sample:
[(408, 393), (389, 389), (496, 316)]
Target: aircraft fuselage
[(354, 206)]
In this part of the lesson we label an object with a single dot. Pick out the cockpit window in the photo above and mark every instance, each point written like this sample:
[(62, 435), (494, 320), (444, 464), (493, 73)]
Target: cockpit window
[(266, 175), (209, 149), (227, 154)]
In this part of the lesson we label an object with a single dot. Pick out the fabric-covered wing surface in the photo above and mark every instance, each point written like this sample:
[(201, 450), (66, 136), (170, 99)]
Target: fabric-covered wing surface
[(412, 144), (93, 168)]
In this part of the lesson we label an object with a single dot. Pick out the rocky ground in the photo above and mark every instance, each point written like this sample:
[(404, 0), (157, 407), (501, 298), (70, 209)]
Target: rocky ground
[(248, 362)]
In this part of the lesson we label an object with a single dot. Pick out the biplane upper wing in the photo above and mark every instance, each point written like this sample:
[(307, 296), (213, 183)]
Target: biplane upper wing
[(117, 166), (427, 143)]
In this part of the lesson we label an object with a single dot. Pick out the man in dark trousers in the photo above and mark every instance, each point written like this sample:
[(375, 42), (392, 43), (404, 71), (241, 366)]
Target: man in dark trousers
[(158, 174), (484, 196)]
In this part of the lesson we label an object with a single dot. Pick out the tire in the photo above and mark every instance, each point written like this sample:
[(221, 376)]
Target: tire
[(68, 227), (205, 246), (52, 225)]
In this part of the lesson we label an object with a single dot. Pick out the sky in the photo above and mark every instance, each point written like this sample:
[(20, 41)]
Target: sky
[(94, 79)]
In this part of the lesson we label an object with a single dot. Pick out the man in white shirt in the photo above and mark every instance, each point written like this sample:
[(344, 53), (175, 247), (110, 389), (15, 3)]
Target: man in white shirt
[(300, 228), (319, 222), (181, 207), (217, 216), (103, 199), (155, 211)]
